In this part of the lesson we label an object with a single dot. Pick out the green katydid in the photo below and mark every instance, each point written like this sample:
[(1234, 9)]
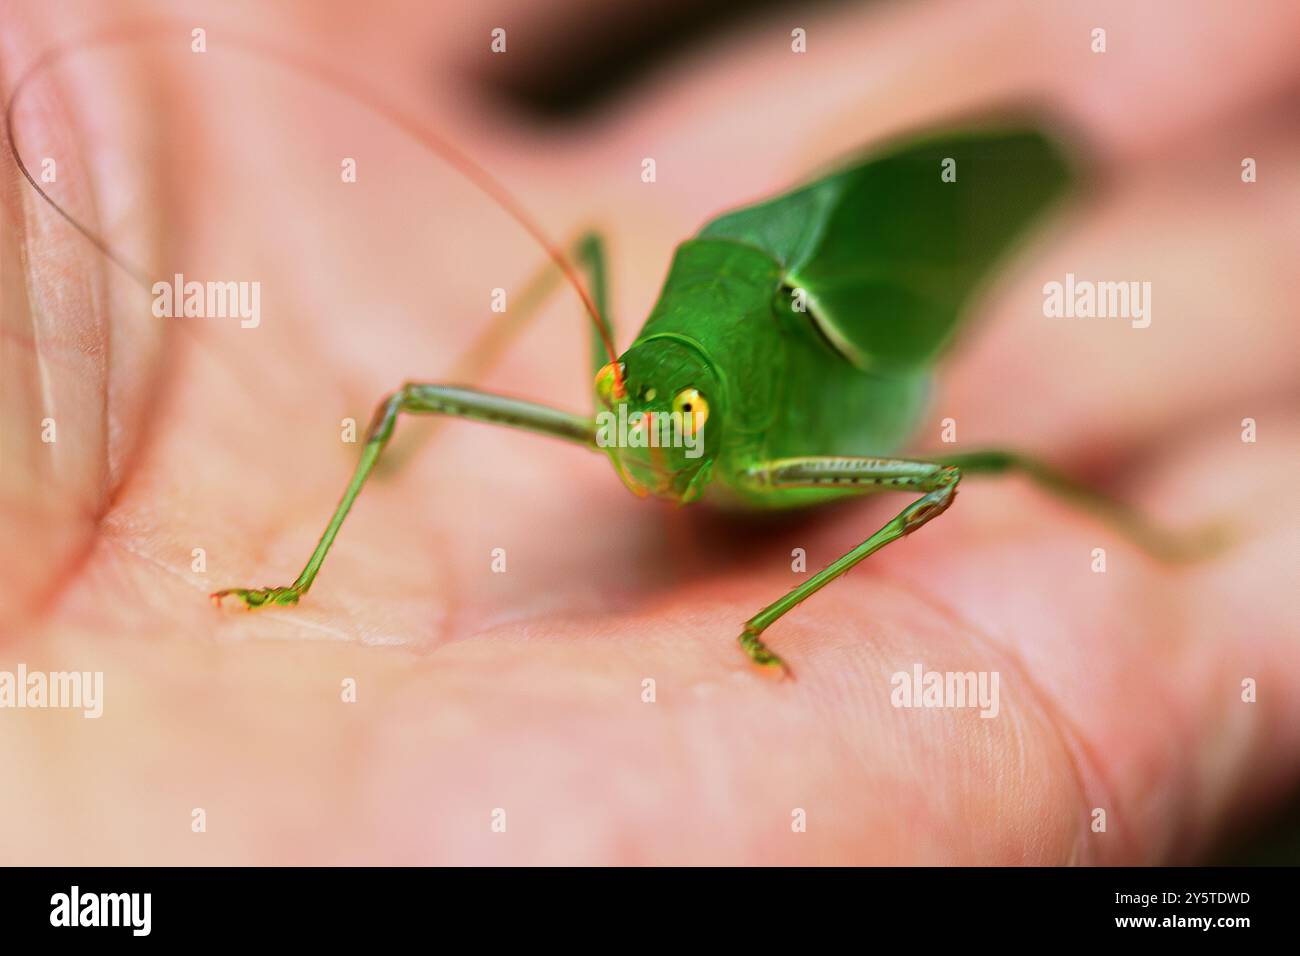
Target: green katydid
[(794, 339), (792, 343)]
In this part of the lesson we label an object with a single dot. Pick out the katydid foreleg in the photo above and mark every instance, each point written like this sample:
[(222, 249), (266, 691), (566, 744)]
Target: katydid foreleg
[(862, 474), (419, 399), (455, 401)]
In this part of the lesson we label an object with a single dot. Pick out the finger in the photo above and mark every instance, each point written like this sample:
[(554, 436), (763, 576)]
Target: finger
[(76, 369)]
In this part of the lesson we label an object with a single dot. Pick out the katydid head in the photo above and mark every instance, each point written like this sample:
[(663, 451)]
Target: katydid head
[(662, 432)]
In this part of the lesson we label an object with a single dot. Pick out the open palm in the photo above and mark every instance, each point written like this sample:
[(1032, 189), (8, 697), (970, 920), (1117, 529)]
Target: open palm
[(594, 691)]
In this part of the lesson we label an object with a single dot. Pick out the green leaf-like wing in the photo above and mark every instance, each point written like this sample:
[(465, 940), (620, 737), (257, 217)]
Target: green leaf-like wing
[(889, 252)]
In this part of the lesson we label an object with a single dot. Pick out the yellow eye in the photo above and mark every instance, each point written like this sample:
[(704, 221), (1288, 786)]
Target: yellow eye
[(693, 408), (609, 373)]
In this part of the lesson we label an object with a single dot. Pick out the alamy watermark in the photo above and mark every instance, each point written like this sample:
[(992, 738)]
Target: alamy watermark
[(208, 300), (947, 689), (648, 430), (63, 690), (1085, 299), (129, 910)]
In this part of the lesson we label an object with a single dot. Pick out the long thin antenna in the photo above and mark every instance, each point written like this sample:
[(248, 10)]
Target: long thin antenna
[(349, 86)]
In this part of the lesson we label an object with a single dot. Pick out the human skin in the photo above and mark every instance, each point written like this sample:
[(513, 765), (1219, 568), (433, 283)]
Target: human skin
[(523, 691)]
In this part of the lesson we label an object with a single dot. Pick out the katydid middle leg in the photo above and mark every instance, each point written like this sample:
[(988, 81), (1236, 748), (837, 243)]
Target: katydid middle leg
[(939, 482), (1162, 543), (456, 401), (588, 250), (419, 399), (590, 253)]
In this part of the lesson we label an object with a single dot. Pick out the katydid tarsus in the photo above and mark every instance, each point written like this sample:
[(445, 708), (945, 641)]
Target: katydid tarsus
[(792, 343)]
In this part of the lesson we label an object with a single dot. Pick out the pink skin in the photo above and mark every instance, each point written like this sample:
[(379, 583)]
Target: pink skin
[(523, 690)]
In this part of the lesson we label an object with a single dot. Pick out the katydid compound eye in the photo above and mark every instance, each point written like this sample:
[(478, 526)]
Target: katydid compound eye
[(693, 408), (609, 373)]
